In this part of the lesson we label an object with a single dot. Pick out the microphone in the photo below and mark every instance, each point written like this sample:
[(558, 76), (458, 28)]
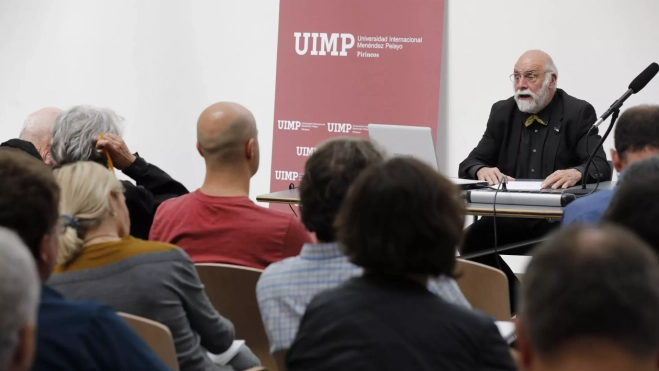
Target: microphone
[(504, 181), (634, 87)]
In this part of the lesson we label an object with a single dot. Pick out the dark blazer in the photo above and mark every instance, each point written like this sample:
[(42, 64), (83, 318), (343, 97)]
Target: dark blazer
[(565, 146), (153, 187), (380, 323)]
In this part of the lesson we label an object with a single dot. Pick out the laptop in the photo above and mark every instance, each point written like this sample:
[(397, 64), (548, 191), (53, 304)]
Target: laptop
[(412, 141)]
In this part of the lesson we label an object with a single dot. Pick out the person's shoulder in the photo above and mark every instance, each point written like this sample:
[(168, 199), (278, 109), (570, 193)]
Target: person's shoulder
[(274, 214), (175, 203), (81, 312), (137, 246), (571, 101), (343, 298), (281, 267), (461, 317), (582, 208), (144, 252), (508, 103)]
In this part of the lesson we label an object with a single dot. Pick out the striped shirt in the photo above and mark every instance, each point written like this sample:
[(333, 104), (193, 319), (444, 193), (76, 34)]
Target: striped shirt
[(286, 288)]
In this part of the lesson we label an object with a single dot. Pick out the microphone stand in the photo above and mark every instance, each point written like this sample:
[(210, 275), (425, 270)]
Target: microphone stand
[(584, 177)]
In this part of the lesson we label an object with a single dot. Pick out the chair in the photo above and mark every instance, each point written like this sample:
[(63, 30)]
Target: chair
[(485, 288), (232, 291), (156, 335)]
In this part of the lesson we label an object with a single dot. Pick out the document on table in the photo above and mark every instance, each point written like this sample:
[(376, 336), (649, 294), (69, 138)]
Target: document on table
[(523, 185), (517, 263), (224, 358)]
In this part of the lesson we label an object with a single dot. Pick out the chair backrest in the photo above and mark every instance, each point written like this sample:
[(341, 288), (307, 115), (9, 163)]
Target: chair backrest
[(232, 291), (280, 358), (156, 335), (485, 288)]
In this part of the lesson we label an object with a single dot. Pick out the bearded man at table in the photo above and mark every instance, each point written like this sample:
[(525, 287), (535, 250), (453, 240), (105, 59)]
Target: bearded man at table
[(539, 133)]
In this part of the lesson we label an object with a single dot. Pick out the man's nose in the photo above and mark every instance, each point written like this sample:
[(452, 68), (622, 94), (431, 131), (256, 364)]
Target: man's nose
[(521, 84)]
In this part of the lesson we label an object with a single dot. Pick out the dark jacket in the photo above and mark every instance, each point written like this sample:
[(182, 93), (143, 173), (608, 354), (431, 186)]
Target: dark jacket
[(153, 187), (378, 322), (565, 146), (83, 335)]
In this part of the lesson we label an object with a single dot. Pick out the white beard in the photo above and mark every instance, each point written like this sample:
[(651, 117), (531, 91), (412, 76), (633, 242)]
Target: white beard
[(537, 102)]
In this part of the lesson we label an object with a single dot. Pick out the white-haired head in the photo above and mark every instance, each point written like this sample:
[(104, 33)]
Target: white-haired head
[(533, 96), (19, 297), (38, 130), (75, 130)]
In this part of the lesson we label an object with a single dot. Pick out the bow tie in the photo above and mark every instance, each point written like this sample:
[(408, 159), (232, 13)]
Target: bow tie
[(532, 118)]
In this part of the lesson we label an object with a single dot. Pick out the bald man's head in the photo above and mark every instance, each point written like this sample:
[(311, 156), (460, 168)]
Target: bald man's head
[(38, 129), (227, 137), (534, 81)]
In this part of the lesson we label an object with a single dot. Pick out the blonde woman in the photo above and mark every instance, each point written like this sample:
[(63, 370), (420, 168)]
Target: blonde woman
[(98, 260)]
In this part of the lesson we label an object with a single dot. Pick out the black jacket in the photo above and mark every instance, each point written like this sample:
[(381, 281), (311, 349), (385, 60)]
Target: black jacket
[(381, 323), (153, 187), (565, 146)]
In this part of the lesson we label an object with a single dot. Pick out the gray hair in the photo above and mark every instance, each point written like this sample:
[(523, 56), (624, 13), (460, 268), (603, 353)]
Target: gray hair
[(75, 130), (550, 68), (19, 292)]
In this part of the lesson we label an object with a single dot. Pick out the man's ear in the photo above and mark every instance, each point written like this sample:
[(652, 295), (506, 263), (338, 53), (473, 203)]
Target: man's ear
[(249, 149), (201, 153), (554, 79), (24, 354), (523, 346), (618, 162)]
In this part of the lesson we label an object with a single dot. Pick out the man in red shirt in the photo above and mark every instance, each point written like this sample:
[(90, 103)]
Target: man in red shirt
[(218, 223)]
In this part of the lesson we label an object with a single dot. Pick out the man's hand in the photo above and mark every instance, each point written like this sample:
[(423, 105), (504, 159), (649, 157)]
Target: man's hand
[(116, 147), (491, 174), (562, 178)]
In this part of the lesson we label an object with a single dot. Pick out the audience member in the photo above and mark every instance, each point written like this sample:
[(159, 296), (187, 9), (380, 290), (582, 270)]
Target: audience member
[(590, 301), (19, 297), (99, 261), (76, 137), (22, 145), (636, 138), (635, 205), (401, 221), (283, 291), (71, 335), (38, 129), (218, 223)]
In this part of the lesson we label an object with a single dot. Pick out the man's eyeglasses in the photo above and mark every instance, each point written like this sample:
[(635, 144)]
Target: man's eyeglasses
[(529, 76)]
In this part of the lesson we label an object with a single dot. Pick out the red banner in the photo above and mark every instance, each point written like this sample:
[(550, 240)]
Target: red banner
[(344, 64)]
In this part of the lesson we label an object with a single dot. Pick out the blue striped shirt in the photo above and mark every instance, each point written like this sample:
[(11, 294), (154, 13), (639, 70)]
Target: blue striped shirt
[(286, 288)]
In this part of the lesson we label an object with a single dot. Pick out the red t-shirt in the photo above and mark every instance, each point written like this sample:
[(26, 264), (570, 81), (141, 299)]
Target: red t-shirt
[(230, 230)]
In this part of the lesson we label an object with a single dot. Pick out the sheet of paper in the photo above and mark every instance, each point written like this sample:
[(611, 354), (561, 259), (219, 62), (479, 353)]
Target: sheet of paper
[(523, 185), (224, 358), (507, 330), (517, 263)]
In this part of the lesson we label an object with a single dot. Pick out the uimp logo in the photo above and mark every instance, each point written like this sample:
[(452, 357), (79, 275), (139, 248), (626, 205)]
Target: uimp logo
[(335, 127), (305, 151), (286, 175), (288, 125), (322, 42)]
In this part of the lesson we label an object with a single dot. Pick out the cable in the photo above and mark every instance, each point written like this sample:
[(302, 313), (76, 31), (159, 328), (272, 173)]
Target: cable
[(584, 176), (292, 186), (494, 220)]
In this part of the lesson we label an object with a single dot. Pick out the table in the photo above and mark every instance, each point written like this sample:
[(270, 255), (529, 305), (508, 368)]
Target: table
[(291, 196)]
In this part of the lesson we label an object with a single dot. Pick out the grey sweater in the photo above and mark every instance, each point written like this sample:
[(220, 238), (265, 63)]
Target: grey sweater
[(156, 281)]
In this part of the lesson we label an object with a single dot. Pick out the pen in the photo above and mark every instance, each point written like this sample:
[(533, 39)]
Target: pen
[(107, 155)]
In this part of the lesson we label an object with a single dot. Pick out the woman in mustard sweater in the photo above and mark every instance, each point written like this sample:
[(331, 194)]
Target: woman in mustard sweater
[(100, 261)]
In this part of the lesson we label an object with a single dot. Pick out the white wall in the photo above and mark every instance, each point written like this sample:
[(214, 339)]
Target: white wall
[(159, 63), (598, 46)]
